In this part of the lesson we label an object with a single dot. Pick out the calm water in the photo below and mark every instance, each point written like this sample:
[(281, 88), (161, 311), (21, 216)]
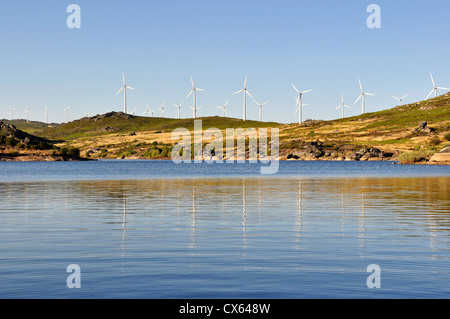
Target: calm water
[(153, 229)]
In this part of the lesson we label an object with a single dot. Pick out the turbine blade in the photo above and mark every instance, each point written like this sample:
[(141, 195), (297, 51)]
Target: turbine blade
[(442, 88), (238, 91), (295, 88), (129, 87), (358, 99), (306, 91), (192, 81), (429, 94), (248, 93), (120, 90), (369, 94), (432, 80), (360, 85), (200, 90), (245, 82), (405, 96), (190, 93)]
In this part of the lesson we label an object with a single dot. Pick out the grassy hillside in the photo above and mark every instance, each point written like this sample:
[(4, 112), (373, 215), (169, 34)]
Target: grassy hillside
[(31, 127), (387, 134)]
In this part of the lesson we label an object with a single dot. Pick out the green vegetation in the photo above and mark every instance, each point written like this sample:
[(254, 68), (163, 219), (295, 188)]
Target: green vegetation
[(416, 156)]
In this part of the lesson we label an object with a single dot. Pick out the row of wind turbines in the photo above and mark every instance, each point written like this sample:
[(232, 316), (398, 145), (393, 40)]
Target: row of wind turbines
[(298, 105)]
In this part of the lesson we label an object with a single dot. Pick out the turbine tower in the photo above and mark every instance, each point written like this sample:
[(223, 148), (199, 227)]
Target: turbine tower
[(10, 113), (27, 111), (260, 109), (178, 106), (299, 102), (162, 109), (194, 94), (124, 88), (67, 114), (245, 92), (343, 106), (400, 99), (362, 95), (435, 88), (223, 107), (46, 114)]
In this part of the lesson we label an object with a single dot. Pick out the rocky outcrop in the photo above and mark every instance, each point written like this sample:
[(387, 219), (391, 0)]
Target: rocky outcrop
[(309, 151), (423, 128), (442, 157)]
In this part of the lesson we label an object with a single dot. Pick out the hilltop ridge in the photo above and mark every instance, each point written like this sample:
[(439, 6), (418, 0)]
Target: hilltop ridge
[(410, 133)]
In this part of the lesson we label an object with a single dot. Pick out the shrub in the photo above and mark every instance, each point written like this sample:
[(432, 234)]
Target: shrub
[(415, 156), (435, 141), (447, 136)]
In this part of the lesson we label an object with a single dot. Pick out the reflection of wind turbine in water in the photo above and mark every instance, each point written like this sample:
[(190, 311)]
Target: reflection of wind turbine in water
[(361, 220), (299, 220), (124, 221), (194, 212), (244, 217)]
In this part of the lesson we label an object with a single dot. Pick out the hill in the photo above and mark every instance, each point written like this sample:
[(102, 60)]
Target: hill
[(31, 127), (17, 145), (411, 133)]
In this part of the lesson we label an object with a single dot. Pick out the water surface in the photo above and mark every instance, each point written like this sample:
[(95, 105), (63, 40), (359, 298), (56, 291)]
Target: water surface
[(153, 229)]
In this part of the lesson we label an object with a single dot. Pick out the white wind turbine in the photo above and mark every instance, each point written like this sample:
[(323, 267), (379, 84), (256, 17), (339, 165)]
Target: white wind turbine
[(223, 107), (195, 110), (27, 111), (435, 88), (343, 106), (162, 109), (400, 99), (124, 88), (147, 111), (260, 109), (194, 95), (10, 113), (363, 95), (245, 92), (67, 114), (299, 103), (46, 114), (178, 106)]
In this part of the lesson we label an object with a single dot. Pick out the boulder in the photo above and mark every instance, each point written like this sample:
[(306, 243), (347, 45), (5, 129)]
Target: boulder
[(442, 157)]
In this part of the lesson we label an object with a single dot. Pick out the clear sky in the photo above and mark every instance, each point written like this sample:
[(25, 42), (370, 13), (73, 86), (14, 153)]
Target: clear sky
[(324, 45)]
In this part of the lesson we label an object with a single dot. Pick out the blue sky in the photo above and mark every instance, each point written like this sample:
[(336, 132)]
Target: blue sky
[(322, 45)]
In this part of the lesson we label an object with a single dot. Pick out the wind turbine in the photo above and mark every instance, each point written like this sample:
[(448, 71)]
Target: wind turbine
[(134, 112), (195, 110), (178, 106), (10, 112), (67, 114), (162, 109), (27, 111), (244, 90), (343, 106), (147, 111), (435, 88), (400, 99), (362, 95), (86, 114), (223, 107), (124, 88), (299, 102), (260, 109), (194, 92), (46, 114)]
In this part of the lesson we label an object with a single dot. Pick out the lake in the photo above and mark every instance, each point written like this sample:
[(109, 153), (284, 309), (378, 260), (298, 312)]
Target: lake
[(154, 229)]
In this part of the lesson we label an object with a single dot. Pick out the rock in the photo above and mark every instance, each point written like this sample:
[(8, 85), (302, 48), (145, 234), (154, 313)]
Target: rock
[(423, 128), (442, 157)]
